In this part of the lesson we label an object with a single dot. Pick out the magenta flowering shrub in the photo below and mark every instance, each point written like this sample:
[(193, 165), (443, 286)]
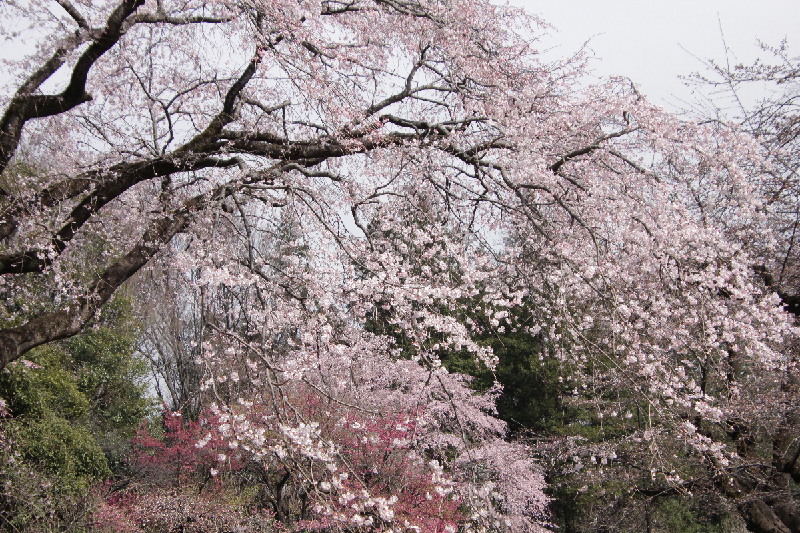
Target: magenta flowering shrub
[(386, 481), (343, 464), (387, 446), (186, 453)]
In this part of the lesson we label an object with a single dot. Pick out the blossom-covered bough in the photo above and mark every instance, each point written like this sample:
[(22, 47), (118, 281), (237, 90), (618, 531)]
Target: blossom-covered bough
[(339, 163)]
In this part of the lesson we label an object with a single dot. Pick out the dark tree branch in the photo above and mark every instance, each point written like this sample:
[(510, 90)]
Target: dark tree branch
[(162, 18), (49, 327), (228, 114), (14, 342), (75, 14), (26, 106), (24, 261), (265, 108), (125, 176), (596, 145), (122, 176)]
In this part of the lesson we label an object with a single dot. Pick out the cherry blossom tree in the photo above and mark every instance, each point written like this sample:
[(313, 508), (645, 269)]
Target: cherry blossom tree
[(333, 163), (629, 304), (761, 98)]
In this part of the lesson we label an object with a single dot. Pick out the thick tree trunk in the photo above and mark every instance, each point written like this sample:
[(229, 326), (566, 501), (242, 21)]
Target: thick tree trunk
[(781, 517), (789, 513), (57, 325)]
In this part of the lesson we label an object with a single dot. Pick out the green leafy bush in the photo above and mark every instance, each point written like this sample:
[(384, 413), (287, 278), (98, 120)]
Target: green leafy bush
[(73, 407)]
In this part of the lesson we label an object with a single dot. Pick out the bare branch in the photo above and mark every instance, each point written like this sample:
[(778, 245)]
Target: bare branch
[(264, 108), (156, 18), (596, 145), (75, 14)]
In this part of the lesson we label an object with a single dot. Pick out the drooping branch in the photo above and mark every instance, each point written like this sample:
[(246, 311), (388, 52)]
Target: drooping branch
[(123, 177), (75, 14), (596, 145)]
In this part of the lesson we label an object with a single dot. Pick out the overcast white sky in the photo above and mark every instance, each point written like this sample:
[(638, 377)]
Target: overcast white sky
[(654, 41)]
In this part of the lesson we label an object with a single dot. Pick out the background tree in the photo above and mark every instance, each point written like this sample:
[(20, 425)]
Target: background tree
[(173, 323)]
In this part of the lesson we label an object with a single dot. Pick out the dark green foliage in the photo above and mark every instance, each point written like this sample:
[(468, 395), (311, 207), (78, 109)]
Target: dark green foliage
[(532, 389), (94, 381), (613, 505), (62, 449), (48, 390), (33, 501), (74, 406), (541, 400), (112, 379), (683, 515)]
